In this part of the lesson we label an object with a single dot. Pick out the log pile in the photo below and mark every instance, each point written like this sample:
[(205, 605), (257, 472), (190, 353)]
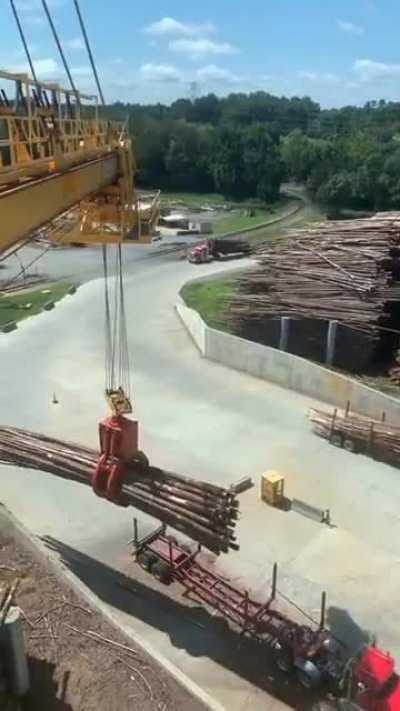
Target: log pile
[(359, 434), (346, 271), (204, 512)]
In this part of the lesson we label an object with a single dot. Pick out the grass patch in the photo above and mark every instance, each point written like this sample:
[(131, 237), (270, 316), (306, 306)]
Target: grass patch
[(15, 307), (308, 214), (198, 199), (238, 220), (210, 299), (193, 198)]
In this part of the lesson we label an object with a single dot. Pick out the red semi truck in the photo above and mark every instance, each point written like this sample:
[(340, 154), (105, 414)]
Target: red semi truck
[(367, 681), (218, 248)]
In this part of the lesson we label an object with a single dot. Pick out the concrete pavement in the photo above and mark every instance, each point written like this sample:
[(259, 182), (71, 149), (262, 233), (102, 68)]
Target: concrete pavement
[(198, 418)]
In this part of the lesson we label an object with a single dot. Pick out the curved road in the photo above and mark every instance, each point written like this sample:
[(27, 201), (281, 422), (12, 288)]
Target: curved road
[(203, 419)]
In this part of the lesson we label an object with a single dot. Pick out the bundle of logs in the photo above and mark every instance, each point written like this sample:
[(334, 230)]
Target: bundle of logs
[(375, 438), (346, 271), (204, 512)]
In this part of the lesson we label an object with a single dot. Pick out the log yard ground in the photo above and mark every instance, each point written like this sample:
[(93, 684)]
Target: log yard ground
[(201, 419)]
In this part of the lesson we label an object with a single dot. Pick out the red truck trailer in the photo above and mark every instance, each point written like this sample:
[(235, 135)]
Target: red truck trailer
[(368, 681), (218, 248)]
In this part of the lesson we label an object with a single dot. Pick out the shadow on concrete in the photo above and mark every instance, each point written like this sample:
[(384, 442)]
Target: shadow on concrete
[(343, 627), (46, 693), (193, 629)]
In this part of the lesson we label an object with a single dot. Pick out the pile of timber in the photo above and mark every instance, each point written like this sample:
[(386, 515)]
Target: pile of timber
[(346, 271), (355, 433), (204, 512)]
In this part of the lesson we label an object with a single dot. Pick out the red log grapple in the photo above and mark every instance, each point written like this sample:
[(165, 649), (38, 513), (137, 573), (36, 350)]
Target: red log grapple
[(118, 446)]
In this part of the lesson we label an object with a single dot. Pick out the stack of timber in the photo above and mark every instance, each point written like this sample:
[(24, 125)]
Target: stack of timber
[(375, 438), (204, 512), (346, 271)]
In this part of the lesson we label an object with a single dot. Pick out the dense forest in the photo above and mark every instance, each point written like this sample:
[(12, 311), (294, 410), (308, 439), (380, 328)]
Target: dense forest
[(246, 145)]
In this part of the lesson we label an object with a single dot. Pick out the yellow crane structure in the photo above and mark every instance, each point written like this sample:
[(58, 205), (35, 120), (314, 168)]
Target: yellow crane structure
[(62, 165), (67, 170)]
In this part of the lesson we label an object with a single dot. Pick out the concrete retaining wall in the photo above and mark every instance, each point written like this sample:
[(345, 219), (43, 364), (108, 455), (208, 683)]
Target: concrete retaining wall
[(287, 370), (195, 325)]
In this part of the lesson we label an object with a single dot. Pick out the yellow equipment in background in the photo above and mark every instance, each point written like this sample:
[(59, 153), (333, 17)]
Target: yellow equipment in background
[(272, 488)]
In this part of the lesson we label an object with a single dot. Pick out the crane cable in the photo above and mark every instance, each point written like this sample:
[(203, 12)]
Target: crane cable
[(61, 51), (23, 40), (117, 366), (89, 51)]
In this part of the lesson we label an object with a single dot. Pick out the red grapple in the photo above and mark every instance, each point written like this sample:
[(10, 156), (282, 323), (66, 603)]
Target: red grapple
[(118, 445)]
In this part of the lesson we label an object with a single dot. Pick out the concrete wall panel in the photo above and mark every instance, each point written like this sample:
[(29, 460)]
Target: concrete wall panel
[(287, 370)]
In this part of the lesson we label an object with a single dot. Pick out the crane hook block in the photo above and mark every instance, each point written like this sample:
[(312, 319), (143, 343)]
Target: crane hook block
[(118, 446)]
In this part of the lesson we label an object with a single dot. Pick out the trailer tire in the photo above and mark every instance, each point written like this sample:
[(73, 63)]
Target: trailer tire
[(284, 660), (309, 676), (336, 439), (142, 459), (349, 445), (146, 560), (162, 572)]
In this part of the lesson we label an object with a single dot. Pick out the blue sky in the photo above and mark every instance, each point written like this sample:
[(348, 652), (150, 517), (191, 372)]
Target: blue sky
[(336, 51)]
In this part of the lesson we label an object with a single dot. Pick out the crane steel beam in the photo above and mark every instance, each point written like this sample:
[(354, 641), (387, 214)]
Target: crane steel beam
[(28, 207)]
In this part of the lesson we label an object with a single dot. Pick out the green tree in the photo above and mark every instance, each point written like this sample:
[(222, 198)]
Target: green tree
[(263, 169)]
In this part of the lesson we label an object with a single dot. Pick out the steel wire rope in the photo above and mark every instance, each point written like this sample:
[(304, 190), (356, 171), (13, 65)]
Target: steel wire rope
[(116, 332)]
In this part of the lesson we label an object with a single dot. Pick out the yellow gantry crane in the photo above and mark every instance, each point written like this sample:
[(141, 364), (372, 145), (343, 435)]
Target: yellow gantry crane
[(60, 161), (67, 171)]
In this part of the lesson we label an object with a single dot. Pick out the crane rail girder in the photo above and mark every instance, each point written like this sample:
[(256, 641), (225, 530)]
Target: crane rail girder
[(29, 206)]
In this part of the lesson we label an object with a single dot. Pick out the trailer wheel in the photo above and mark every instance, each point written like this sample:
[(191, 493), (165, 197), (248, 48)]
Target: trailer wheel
[(336, 440), (162, 572), (284, 660), (141, 459), (310, 676), (146, 560), (349, 445)]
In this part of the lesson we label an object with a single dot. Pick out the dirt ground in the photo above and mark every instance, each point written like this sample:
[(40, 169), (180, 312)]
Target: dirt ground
[(75, 658)]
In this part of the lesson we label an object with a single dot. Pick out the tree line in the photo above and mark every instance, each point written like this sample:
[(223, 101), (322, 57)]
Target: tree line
[(246, 145)]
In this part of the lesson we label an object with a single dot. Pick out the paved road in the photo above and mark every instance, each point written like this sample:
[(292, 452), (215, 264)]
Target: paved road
[(199, 418)]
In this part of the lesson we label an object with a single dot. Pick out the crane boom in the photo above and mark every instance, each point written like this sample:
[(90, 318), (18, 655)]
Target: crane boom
[(53, 158), (27, 207)]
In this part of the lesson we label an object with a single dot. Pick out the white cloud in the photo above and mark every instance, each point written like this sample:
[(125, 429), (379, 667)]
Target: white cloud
[(350, 28), (198, 48), (309, 76), (82, 71), (170, 26), (160, 72), (75, 43), (369, 71), (45, 68), (35, 20), (212, 73), (319, 77)]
